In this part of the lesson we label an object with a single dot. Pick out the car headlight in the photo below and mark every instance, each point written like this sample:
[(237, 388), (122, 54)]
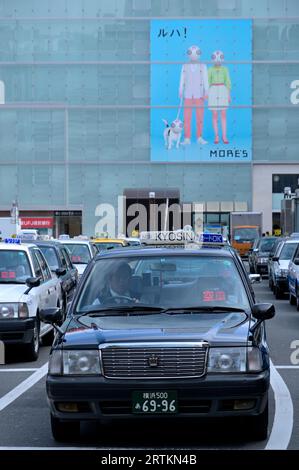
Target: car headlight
[(237, 359), (262, 260), (75, 362), (14, 310)]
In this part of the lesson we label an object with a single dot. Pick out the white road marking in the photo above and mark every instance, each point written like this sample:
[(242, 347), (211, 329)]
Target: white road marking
[(24, 369), (23, 387), (286, 367), (284, 413)]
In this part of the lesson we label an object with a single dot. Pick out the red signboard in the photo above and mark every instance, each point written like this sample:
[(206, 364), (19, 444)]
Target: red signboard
[(36, 222)]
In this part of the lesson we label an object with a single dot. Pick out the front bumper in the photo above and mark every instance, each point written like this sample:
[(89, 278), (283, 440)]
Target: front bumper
[(108, 400), (16, 331)]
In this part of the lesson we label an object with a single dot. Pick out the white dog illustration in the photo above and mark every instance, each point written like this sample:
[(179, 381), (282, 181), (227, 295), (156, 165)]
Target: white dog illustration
[(173, 133)]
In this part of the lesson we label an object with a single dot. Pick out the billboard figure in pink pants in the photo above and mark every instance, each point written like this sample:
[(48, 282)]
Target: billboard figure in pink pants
[(219, 94), (193, 89)]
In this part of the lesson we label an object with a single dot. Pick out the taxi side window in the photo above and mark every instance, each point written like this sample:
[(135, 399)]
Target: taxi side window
[(36, 265), (296, 253), (45, 269), (62, 258), (67, 258)]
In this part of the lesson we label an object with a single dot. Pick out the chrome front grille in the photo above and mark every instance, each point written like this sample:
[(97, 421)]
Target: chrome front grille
[(154, 361)]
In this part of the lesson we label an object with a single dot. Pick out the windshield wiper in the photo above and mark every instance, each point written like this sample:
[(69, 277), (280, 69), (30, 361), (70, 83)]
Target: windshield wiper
[(121, 309), (203, 308)]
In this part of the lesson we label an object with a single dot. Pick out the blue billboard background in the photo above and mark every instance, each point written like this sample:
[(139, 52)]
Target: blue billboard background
[(170, 40)]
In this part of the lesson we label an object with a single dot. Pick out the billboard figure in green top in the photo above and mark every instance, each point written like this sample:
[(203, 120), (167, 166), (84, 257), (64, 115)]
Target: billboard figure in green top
[(219, 93)]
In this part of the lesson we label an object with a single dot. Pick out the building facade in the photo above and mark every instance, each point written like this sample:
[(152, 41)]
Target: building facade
[(75, 111)]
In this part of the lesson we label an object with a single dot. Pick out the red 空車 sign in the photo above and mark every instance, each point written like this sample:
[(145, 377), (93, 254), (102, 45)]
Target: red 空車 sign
[(36, 222)]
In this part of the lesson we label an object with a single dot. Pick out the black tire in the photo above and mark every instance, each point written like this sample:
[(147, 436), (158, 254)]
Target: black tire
[(271, 285), (64, 431), (48, 339), (292, 299), (277, 292), (251, 269), (259, 425), (297, 302), (32, 349)]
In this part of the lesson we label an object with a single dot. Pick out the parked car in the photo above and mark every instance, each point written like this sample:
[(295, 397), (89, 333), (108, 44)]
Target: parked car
[(26, 287), (278, 266), (259, 254), (62, 267), (161, 334), (81, 252), (293, 278)]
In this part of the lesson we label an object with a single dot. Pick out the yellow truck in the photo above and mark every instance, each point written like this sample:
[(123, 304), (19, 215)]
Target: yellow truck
[(245, 227)]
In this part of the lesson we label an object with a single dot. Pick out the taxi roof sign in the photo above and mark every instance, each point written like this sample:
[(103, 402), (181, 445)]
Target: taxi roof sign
[(211, 238), (167, 237), (16, 241)]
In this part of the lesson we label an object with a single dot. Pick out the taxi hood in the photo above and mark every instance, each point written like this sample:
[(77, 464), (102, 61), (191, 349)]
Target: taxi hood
[(12, 292), (220, 328)]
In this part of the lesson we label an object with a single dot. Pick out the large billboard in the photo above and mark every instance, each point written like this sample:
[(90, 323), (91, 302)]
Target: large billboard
[(201, 90)]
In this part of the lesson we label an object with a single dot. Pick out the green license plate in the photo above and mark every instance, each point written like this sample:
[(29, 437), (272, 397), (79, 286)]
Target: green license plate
[(154, 402)]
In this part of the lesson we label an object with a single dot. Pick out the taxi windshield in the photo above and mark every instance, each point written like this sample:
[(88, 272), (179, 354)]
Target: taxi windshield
[(14, 266), (266, 244), (79, 253), (287, 251), (165, 282)]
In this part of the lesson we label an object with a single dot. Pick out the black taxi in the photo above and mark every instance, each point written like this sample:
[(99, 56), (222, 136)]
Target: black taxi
[(161, 334)]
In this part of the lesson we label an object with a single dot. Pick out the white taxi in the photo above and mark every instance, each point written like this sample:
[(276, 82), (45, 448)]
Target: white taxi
[(81, 251), (26, 287)]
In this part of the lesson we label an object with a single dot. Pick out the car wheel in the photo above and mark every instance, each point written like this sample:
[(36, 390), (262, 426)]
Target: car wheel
[(271, 286), (64, 431), (32, 349), (277, 293), (251, 269), (297, 302), (48, 339), (292, 299), (259, 425)]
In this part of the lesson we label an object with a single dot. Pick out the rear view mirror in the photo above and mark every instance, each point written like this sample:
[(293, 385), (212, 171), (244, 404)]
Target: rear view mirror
[(254, 278)]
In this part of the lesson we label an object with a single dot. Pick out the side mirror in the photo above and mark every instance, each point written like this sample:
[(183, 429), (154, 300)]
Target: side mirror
[(275, 258), (296, 261), (250, 250), (256, 250), (51, 315), (60, 271), (263, 311), (254, 278), (32, 282)]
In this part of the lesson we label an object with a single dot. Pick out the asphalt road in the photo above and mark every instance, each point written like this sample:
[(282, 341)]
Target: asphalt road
[(24, 414)]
